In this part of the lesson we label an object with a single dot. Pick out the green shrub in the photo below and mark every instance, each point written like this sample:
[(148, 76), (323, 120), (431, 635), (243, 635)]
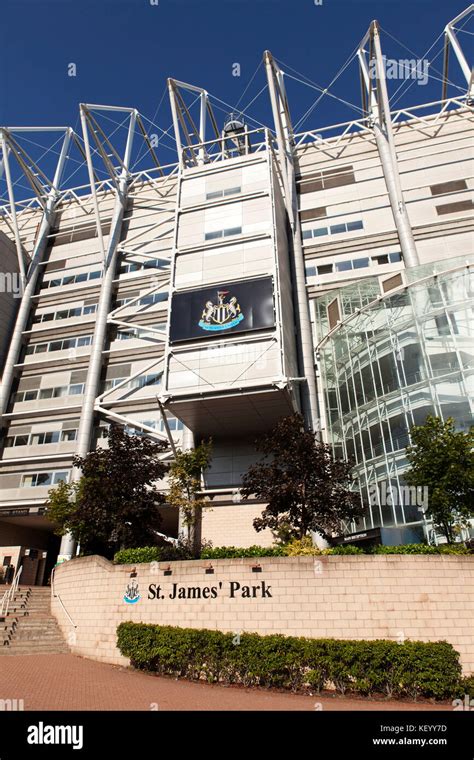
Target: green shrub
[(136, 556), (411, 669), (233, 552), (294, 548), (164, 553), (420, 549), (344, 549), (300, 547), (467, 687)]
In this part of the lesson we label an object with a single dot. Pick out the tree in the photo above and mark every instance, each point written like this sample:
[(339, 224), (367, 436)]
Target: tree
[(305, 487), (114, 505), (184, 486), (442, 460)]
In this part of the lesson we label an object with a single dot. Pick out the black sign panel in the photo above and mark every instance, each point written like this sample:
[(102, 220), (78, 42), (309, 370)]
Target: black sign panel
[(222, 310)]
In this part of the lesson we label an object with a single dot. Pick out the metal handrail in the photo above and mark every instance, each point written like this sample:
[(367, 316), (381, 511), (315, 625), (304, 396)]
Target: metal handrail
[(57, 596), (10, 593)]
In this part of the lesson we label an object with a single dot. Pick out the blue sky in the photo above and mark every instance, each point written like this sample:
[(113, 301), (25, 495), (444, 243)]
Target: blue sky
[(125, 49)]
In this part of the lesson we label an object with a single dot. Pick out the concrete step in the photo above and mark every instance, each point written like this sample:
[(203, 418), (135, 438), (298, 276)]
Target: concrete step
[(39, 649), (30, 628)]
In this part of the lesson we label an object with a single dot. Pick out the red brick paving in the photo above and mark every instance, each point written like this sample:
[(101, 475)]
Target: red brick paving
[(68, 682)]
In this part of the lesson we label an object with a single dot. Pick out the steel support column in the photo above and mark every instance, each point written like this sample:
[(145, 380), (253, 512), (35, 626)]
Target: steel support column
[(86, 422), (31, 279), (379, 106), (281, 117)]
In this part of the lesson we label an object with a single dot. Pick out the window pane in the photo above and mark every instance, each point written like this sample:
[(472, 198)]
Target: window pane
[(325, 269), (213, 235), (320, 231), (81, 277), (343, 266), (95, 275), (233, 231), (337, 228), (355, 226), (360, 263), (44, 479), (69, 435), (307, 234)]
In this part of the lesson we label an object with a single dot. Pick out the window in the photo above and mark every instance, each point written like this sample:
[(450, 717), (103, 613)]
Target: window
[(448, 187), (152, 299), (45, 393), (16, 440), (69, 435), (71, 279), (40, 439), (76, 390), (387, 258), (329, 178), (325, 269), (357, 225), (222, 193), (65, 313), (59, 345), (335, 229), (343, 266), (453, 208), (215, 234), (173, 423), (136, 266), (44, 479), (313, 213)]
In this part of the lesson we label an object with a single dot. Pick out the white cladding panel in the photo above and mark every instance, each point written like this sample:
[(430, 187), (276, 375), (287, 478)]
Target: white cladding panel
[(222, 263), (230, 364)]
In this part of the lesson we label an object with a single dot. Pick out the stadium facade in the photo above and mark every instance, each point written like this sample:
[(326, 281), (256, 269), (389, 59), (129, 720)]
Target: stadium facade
[(264, 272)]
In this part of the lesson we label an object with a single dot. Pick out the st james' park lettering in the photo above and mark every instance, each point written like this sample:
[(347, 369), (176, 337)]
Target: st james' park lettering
[(235, 591)]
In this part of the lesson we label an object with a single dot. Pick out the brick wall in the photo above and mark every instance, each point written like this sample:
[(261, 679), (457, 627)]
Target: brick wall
[(217, 521), (427, 598)]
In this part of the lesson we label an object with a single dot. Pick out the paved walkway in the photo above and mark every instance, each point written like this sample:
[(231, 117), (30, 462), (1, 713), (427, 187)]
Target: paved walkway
[(68, 682)]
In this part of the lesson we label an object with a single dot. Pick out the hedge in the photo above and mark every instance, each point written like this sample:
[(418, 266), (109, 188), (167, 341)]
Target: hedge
[(231, 552), (410, 669), (294, 549), (152, 554)]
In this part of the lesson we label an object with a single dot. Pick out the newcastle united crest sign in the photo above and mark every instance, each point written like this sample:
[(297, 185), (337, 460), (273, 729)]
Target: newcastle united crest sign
[(221, 315)]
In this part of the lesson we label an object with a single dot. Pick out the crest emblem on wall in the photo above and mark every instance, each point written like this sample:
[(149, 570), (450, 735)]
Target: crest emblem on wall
[(132, 594), (221, 315)]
